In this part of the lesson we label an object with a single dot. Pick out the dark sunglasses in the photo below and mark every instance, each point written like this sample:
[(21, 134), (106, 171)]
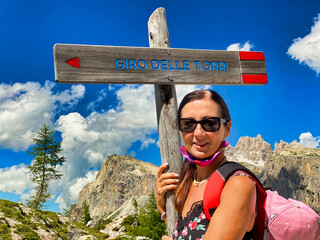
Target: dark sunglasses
[(210, 124)]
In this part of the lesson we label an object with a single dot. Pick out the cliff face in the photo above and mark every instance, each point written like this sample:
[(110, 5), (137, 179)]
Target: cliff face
[(120, 179), (294, 171), (250, 151)]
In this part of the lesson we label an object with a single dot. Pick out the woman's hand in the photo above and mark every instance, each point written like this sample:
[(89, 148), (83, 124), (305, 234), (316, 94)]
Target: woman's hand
[(165, 182), (165, 238)]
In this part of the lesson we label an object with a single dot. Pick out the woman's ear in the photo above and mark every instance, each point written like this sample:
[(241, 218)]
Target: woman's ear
[(228, 128)]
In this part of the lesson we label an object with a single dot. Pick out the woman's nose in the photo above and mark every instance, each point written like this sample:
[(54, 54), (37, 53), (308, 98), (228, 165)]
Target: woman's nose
[(198, 131)]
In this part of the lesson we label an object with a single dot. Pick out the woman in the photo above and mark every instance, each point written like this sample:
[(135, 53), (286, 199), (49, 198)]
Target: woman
[(204, 124)]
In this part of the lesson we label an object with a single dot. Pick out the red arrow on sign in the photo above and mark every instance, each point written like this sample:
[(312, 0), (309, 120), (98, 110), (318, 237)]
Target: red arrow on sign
[(74, 62)]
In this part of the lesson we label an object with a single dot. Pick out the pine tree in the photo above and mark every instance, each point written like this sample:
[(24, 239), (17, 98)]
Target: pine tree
[(149, 221), (45, 154), (85, 213)]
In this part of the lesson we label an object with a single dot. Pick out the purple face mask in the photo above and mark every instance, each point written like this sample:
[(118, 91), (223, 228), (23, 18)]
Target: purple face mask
[(206, 161)]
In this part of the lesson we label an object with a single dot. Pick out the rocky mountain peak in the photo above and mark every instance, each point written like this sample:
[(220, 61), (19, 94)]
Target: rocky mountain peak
[(119, 179), (279, 147), (252, 150)]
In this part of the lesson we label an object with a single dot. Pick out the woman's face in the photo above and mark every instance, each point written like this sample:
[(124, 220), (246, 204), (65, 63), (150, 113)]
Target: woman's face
[(200, 143)]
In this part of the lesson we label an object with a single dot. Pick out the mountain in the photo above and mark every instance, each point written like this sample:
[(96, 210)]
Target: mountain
[(294, 171), (120, 179), (250, 152)]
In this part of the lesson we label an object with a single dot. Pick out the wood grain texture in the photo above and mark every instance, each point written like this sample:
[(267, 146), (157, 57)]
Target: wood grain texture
[(166, 105), (253, 67), (97, 64)]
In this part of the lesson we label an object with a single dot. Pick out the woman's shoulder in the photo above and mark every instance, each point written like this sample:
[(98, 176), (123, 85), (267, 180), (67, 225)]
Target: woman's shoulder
[(240, 184)]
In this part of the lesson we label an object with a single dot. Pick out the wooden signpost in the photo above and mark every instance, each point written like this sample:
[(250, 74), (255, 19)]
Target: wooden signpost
[(137, 65), (164, 67)]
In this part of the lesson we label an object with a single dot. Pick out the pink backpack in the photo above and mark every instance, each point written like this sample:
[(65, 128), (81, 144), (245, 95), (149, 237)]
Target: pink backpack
[(277, 218), (290, 219)]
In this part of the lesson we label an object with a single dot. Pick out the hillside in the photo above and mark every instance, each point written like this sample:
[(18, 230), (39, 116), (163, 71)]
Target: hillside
[(20, 222)]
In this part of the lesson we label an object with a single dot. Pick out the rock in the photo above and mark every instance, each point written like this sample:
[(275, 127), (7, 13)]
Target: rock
[(12, 222), (45, 235), (87, 237), (249, 151), (119, 179), (24, 210), (74, 234), (127, 207), (279, 147)]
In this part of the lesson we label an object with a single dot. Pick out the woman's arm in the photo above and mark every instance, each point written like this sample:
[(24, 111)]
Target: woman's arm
[(165, 182), (236, 212)]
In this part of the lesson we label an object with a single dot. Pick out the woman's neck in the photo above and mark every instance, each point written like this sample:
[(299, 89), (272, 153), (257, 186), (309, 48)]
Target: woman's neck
[(205, 172)]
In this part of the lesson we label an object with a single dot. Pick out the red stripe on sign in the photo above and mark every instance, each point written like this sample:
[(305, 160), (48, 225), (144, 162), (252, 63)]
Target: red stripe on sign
[(247, 55), (74, 62), (254, 79)]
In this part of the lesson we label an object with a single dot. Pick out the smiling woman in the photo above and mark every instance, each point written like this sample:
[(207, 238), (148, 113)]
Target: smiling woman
[(204, 124)]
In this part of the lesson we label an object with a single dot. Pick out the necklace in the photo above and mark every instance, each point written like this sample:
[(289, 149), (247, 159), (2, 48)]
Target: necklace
[(198, 184)]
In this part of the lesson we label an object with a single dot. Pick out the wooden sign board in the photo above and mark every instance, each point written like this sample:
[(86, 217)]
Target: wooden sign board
[(137, 65)]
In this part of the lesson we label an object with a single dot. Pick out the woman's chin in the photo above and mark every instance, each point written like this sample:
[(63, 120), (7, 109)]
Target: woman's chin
[(201, 155)]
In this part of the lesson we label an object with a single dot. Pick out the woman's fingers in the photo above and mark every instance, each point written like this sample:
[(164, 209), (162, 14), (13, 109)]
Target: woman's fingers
[(162, 168), (165, 238), (166, 185), (165, 182)]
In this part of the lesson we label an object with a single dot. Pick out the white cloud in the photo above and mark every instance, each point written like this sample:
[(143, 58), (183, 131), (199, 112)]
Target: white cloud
[(308, 140), (307, 49), (73, 191), (146, 142), (94, 158), (15, 179), (247, 46), (24, 107)]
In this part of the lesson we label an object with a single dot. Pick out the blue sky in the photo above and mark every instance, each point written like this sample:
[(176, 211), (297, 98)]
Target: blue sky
[(94, 121)]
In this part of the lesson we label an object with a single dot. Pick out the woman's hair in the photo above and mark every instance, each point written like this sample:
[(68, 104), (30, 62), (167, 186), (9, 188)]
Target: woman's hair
[(201, 94), (188, 169)]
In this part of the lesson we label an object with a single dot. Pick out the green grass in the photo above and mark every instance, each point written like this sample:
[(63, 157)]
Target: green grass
[(27, 232), (5, 232)]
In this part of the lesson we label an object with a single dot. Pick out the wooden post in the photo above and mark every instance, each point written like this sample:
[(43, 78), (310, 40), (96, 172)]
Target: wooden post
[(166, 106)]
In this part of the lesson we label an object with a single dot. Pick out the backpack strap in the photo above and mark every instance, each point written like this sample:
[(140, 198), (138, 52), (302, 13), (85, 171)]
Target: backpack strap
[(214, 187)]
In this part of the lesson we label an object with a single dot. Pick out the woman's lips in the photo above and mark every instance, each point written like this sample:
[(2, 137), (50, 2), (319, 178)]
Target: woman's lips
[(200, 145)]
